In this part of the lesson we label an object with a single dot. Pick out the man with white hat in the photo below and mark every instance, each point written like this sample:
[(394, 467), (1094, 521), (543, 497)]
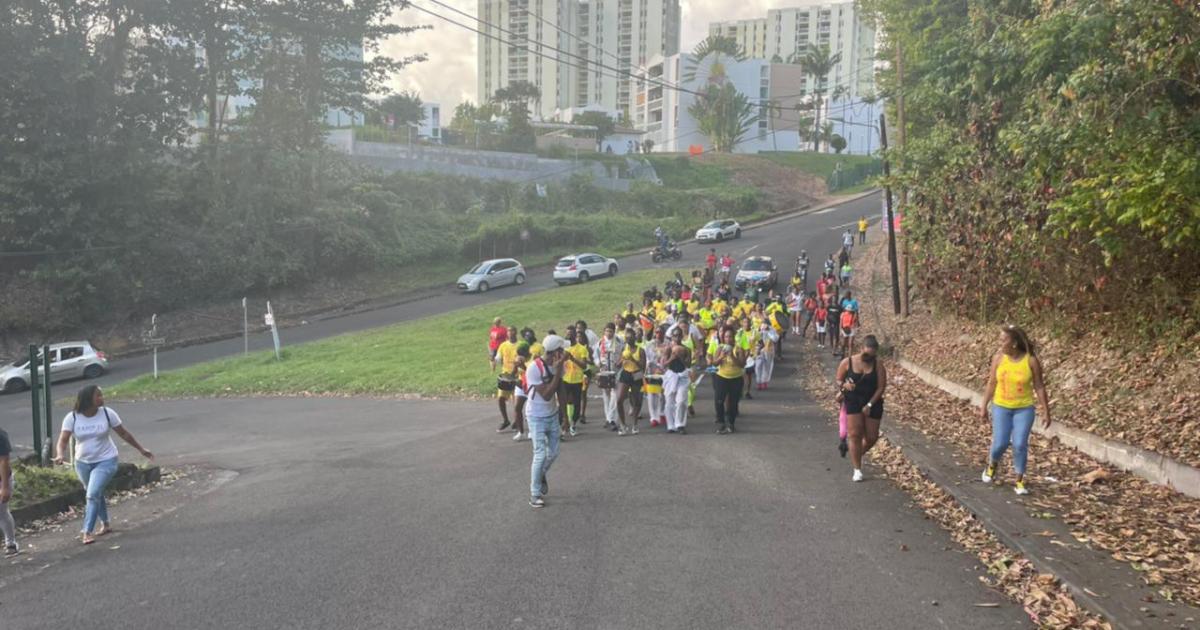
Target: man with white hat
[(542, 380)]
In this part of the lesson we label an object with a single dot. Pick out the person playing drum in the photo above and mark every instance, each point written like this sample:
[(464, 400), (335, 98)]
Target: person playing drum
[(608, 357)]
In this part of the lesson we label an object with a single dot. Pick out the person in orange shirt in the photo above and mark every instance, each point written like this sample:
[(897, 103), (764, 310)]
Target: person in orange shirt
[(1016, 374)]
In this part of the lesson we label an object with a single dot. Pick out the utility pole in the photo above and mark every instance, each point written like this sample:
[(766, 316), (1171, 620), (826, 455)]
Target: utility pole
[(903, 191), (891, 220)]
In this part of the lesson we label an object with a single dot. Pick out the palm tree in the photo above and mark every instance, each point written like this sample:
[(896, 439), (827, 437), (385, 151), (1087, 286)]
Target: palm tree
[(772, 109), (718, 48), (724, 115), (817, 63)]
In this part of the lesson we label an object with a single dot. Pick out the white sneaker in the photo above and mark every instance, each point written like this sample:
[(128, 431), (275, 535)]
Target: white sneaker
[(633, 431), (621, 431), (858, 476), (572, 432), (520, 436), (988, 473), (1020, 488)]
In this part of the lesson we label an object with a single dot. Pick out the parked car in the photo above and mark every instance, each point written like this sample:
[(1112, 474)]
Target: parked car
[(74, 359), (758, 271), (583, 267), (490, 274), (719, 230)]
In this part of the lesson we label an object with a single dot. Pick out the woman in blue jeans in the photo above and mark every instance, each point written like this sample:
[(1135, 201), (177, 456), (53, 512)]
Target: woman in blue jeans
[(92, 425), (1016, 374)]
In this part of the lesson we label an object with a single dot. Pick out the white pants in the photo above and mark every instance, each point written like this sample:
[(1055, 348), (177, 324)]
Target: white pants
[(675, 393), (610, 405), (764, 366), (654, 405)]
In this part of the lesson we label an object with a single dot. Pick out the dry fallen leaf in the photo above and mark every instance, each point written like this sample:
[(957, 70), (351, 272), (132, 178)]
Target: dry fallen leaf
[(1100, 474)]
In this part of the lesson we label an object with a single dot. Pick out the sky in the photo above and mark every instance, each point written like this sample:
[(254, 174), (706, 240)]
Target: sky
[(448, 76)]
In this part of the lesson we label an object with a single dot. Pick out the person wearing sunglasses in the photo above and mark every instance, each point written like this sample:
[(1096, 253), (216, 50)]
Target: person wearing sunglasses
[(862, 381)]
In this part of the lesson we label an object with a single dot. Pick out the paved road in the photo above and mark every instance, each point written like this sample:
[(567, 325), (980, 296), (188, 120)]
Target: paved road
[(815, 232), (388, 514)]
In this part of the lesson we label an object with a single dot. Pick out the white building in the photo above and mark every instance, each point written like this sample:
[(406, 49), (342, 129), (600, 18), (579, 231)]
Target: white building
[(785, 32), (430, 127), (546, 42), (663, 113)]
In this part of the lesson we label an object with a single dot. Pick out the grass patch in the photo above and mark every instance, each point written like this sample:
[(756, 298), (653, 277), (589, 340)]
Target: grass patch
[(441, 355), (683, 173), (35, 483), (820, 164)]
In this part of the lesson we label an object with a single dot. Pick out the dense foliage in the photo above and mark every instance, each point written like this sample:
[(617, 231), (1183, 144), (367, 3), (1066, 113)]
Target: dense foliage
[(1052, 156)]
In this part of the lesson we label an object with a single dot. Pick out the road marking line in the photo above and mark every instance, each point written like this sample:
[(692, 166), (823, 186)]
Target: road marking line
[(751, 249), (827, 210), (838, 227)]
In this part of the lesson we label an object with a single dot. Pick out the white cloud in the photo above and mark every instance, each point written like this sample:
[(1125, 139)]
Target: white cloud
[(448, 77)]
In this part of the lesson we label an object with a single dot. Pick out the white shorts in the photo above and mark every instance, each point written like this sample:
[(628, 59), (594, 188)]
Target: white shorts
[(820, 329), (520, 391), (847, 333)]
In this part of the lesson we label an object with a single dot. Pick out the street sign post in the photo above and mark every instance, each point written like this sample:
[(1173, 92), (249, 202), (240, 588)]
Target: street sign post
[(47, 408), (35, 391), (245, 329), (269, 320), (150, 338)]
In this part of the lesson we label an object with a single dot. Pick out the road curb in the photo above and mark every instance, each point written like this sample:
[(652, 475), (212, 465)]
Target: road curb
[(1153, 467), (128, 477), (1008, 532)]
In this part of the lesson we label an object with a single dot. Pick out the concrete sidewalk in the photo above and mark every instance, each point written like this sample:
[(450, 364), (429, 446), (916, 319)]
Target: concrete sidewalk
[(1098, 582)]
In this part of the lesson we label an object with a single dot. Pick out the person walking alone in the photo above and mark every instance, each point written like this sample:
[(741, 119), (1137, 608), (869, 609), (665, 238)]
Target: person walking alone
[(91, 424), (1016, 374), (543, 378), (862, 230), (862, 381), (8, 526)]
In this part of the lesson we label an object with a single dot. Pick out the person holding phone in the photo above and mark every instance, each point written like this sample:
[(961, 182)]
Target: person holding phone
[(862, 381), (92, 424), (542, 379), (729, 359)]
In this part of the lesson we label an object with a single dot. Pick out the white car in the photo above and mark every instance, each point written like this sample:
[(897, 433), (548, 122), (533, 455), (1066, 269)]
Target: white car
[(583, 267), (719, 230), (73, 359), (490, 274)]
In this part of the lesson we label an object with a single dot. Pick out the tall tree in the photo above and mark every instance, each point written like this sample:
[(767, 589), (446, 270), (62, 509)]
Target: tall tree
[(514, 100), (717, 51), (724, 115), (817, 63), (404, 107), (602, 122)]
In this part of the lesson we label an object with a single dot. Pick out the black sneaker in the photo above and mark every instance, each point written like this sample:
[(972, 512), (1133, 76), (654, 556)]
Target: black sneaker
[(11, 550), (748, 396), (724, 430), (681, 431), (537, 502), (731, 429), (670, 430), (843, 447), (582, 419), (545, 485), (503, 425)]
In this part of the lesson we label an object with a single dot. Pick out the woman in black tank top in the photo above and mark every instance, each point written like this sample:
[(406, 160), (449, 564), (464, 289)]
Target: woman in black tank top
[(862, 381)]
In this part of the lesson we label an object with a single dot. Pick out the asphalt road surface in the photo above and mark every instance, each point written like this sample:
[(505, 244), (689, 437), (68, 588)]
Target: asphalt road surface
[(817, 232), (350, 513)]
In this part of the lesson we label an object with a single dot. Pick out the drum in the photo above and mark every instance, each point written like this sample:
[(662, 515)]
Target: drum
[(654, 383), (606, 380), (506, 382)]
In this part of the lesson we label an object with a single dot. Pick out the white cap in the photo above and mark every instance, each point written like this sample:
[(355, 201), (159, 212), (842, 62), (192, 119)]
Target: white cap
[(552, 343)]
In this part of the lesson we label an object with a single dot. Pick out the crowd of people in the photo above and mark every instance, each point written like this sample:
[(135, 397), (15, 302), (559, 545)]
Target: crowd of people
[(650, 358)]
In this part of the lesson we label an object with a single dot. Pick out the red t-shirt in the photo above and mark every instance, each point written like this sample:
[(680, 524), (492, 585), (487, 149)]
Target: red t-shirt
[(497, 336), (821, 313), (711, 261)]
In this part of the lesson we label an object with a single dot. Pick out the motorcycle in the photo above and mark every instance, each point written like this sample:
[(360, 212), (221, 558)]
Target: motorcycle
[(670, 252)]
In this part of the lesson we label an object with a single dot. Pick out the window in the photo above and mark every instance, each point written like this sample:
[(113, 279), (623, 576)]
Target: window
[(73, 352)]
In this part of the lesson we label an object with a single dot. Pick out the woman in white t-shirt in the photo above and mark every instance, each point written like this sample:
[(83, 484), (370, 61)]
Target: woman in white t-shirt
[(91, 423)]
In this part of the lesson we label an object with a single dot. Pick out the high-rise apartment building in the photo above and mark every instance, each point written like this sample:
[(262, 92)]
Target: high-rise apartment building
[(576, 51), (785, 32)]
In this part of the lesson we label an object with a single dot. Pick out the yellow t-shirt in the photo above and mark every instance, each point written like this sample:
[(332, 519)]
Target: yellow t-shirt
[(862, 225), (658, 305), (706, 319), (729, 369), (693, 307), (629, 359), (1014, 383), (573, 374), (720, 307), (536, 350), (508, 357)]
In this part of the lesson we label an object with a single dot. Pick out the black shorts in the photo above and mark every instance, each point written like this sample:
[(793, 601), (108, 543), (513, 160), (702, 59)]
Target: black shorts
[(632, 384), (856, 405), (573, 390)]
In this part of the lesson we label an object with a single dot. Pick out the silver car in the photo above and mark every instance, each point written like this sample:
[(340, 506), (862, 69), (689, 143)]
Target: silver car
[(490, 274), (583, 267), (719, 230), (74, 359)]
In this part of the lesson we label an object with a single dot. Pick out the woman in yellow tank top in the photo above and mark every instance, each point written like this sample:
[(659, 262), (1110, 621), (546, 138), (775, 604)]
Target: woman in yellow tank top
[(1016, 375), (629, 383)]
